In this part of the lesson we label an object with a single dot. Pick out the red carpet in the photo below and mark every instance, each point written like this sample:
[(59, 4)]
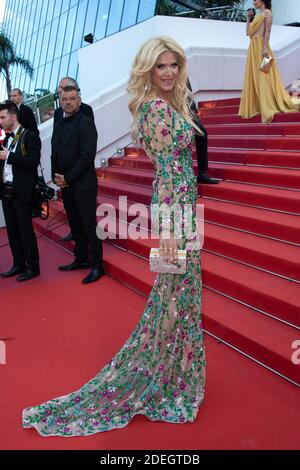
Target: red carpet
[(257, 335), (260, 143), (255, 129), (218, 155), (286, 178), (63, 333), (251, 256), (56, 347), (217, 117)]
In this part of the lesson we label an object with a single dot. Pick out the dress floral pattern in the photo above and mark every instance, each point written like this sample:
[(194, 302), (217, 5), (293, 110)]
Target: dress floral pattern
[(160, 370)]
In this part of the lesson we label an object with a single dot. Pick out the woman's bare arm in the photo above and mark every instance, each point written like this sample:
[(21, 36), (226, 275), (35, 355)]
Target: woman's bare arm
[(248, 26), (249, 18), (268, 29)]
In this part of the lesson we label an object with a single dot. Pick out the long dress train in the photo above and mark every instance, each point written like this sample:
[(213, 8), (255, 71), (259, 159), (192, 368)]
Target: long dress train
[(263, 93), (160, 370)]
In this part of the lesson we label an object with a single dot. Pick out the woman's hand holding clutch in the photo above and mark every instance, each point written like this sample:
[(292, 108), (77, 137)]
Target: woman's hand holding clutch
[(168, 258), (266, 63), (169, 247)]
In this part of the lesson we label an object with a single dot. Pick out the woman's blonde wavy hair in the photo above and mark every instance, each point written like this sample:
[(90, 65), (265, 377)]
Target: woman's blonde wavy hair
[(140, 84)]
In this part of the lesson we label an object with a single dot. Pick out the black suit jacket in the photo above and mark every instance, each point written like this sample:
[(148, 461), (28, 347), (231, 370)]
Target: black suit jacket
[(24, 167), (84, 108), (74, 147), (27, 119)]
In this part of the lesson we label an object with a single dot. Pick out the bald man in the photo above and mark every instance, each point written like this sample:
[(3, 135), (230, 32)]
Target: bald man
[(84, 108)]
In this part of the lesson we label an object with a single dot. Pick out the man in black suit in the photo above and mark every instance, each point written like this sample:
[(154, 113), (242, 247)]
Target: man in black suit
[(74, 147), (84, 108), (59, 114), (26, 117), (19, 161), (201, 147)]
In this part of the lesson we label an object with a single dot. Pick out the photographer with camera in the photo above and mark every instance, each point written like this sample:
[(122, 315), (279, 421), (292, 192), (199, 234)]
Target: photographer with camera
[(19, 160)]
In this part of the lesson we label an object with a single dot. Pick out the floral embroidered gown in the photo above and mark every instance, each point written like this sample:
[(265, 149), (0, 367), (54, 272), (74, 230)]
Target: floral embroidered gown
[(160, 370)]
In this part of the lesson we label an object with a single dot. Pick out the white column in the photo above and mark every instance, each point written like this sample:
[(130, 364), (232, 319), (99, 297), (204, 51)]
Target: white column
[(286, 12)]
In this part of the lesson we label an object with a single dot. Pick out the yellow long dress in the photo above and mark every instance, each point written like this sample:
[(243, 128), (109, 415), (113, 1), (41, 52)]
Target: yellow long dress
[(263, 93)]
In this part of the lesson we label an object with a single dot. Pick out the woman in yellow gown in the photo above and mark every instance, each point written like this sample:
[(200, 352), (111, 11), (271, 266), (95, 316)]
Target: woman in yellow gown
[(263, 93)]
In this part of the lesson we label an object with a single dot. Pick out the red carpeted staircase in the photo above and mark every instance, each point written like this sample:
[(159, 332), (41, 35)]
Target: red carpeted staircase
[(251, 255)]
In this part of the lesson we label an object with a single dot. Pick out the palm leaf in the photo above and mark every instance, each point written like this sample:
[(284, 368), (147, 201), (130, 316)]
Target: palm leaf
[(9, 57)]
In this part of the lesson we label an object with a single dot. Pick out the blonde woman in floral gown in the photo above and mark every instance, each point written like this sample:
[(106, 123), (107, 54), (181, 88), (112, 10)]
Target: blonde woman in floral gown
[(160, 370), (263, 93)]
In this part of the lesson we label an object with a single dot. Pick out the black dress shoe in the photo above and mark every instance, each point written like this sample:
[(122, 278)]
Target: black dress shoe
[(94, 276), (14, 271), (28, 274), (74, 266), (68, 238), (204, 179)]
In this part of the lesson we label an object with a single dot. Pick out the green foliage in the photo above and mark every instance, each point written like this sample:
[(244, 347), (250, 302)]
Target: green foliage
[(173, 8), (167, 8)]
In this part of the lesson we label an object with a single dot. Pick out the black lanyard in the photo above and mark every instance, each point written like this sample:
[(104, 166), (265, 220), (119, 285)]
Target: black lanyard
[(16, 139)]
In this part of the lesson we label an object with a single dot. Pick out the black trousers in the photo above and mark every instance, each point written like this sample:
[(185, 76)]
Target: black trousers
[(202, 149), (20, 232), (81, 209)]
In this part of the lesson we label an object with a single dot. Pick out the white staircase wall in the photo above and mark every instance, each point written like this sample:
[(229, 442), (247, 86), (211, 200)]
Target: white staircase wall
[(286, 12)]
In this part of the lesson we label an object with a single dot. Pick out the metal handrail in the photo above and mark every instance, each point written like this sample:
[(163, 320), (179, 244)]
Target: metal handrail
[(42, 115), (34, 99)]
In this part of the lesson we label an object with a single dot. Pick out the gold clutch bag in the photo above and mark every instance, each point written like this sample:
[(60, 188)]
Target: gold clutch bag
[(266, 64), (159, 265)]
